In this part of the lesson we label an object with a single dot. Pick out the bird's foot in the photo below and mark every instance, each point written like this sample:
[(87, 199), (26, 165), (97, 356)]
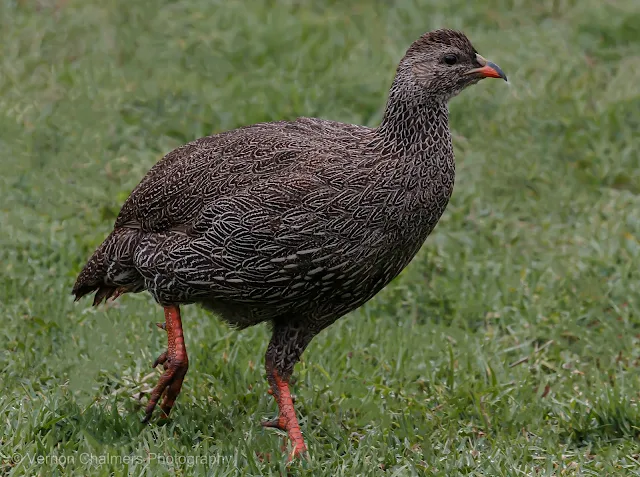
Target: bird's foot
[(163, 360), (175, 363), (277, 423), (286, 420)]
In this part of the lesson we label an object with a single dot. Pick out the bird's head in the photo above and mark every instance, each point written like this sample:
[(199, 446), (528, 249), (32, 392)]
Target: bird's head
[(444, 62)]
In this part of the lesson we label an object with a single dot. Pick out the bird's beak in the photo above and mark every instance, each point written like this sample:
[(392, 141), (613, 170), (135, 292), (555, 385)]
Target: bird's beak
[(487, 70)]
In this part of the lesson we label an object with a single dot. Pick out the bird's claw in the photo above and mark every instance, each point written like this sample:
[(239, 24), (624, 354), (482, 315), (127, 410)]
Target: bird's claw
[(163, 360), (276, 423), (147, 417), (168, 387)]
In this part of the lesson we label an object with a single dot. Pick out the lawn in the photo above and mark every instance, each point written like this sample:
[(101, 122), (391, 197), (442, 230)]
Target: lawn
[(508, 347)]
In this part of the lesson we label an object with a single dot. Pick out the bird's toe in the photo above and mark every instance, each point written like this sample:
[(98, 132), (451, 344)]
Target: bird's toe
[(277, 423), (162, 359)]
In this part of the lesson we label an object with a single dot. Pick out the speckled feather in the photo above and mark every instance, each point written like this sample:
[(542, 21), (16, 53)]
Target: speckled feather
[(295, 222)]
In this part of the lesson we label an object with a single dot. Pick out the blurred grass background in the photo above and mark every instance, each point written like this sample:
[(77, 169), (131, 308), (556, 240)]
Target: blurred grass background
[(508, 347)]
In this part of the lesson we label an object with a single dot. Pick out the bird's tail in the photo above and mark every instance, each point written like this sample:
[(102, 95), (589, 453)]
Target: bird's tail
[(110, 270)]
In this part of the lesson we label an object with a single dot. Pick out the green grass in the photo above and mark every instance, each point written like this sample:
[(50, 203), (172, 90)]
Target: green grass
[(508, 347)]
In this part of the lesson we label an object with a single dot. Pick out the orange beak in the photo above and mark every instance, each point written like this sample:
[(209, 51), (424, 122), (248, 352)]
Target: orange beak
[(487, 70)]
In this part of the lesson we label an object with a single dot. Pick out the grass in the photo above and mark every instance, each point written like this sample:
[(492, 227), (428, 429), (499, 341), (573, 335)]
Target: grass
[(508, 347)]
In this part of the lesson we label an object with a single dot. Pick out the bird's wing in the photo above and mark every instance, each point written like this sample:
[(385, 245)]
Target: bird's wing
[(264, 213), (176, 190), (271, 243), (178, 187)]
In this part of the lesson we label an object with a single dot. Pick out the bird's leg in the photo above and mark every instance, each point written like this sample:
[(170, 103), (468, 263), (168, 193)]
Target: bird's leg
[(175, 363), (286, 420), (285, 349)]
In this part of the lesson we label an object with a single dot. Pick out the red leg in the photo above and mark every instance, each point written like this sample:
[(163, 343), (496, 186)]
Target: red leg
[(286, 420), (175, 362)]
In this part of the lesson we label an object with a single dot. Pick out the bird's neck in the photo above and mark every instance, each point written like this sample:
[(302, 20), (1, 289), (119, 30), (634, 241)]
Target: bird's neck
[(413, 123), (415, 144)]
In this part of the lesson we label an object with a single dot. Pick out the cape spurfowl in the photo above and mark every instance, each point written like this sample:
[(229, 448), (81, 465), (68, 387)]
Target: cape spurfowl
[(294, 223)]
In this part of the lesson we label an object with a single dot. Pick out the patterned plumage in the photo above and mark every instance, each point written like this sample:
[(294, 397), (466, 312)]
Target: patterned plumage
[(293, 222)]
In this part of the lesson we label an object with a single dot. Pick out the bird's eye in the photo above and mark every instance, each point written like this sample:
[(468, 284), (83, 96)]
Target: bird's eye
[(450, 59)]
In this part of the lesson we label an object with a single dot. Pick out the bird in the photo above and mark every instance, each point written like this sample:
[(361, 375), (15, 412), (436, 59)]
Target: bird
[(291, 223)]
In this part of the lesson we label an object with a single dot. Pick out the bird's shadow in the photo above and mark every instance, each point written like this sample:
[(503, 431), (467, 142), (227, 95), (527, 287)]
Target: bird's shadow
[(118, 422)]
